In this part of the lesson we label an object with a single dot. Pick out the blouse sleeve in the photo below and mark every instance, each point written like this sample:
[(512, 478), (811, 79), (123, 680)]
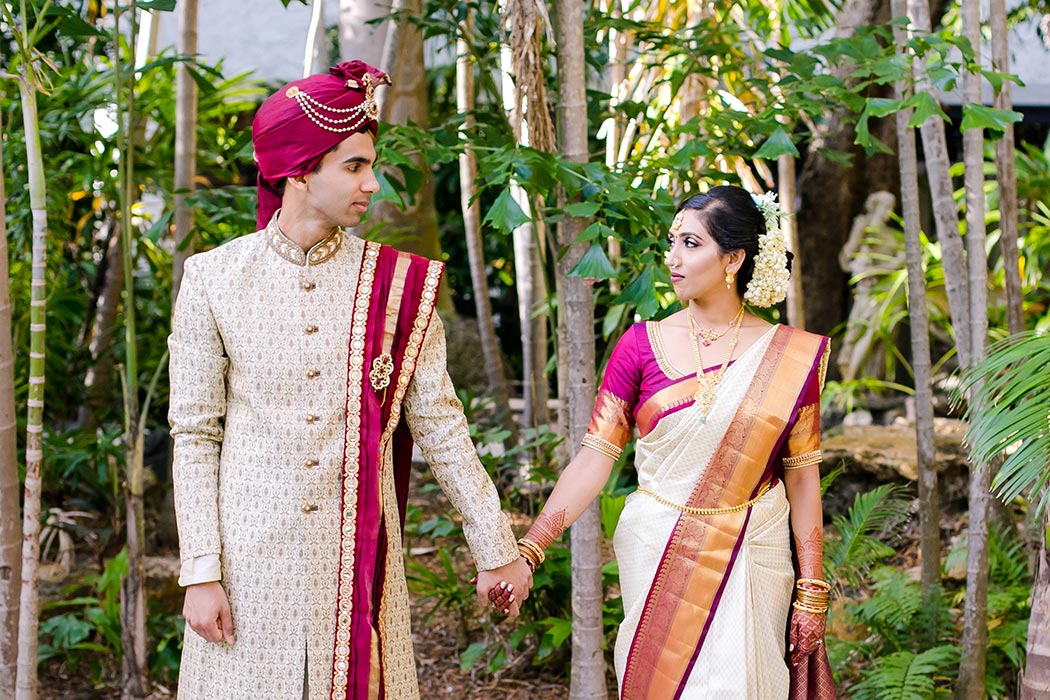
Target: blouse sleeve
[(613, 418), (802, 447)]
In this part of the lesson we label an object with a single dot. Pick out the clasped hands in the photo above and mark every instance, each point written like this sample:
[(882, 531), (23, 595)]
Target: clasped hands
[(504, 588)]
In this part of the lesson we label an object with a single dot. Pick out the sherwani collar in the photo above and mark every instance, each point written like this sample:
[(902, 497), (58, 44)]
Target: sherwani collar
[(293, 253)]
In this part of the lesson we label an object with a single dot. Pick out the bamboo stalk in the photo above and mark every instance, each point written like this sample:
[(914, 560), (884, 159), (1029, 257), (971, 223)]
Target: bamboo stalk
[(10, 532)]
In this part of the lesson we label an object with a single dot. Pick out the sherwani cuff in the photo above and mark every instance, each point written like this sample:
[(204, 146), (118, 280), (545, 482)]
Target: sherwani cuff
[(202, 569), (492, 547)]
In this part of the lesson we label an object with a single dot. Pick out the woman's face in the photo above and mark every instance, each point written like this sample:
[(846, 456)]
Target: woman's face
[(696, 262)]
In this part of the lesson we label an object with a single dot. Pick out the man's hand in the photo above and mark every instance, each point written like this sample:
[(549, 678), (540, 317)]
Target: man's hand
[(517, 579), (207, 612)]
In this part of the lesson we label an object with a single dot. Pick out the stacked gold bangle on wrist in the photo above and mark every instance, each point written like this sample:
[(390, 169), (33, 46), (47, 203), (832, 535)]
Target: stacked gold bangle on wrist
[(812, 595), (532, 553)]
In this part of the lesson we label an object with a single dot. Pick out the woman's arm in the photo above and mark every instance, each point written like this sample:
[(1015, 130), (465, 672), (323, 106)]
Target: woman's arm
[(579, 484), (807, 518)]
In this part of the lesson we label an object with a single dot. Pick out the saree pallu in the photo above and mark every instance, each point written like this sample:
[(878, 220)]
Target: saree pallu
[(393, 308), (678, 570)]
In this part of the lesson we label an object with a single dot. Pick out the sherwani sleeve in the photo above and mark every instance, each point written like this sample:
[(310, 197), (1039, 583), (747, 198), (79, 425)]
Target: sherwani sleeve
[(196, 412), (435, 418)]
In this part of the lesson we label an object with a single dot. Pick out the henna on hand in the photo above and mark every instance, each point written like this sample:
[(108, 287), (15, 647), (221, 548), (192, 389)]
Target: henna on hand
[(502, 596), (807, 633), (547, 528), (810, 553)]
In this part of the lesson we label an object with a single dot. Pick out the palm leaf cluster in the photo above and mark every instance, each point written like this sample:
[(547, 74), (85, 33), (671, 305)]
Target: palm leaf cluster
[(1013, 393)]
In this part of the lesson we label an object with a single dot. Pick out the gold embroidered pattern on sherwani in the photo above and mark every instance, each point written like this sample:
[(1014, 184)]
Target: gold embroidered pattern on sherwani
[(259, 357)]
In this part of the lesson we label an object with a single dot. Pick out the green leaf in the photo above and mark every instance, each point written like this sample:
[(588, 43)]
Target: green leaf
[(470, 656), (582, 209), (778, 144), (66, 630), (611, 507), (997, 79), (157, 5), (387, 192), (925, 106), (977, 116), (881, 106), (641, 293), (594, 265), (505, 214)]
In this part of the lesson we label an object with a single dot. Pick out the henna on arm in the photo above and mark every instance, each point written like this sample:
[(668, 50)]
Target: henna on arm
[(810, 551), (547, 528)]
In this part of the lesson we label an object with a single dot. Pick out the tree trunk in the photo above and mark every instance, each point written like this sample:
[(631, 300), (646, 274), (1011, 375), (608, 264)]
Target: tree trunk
[(825, 286), (524, 86), (358, 37), (10, 534), (576, 306), (945, 216), (185, 143), (929, 502), (413, 228), (99, 375), (1035, 684), (316, 58), (29, 609), (796, 310), (1006, 171), (132, 608), (468, 177), (970, 685)]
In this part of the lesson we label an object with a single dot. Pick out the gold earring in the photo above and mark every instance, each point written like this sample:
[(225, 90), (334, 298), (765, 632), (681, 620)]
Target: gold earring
[(730, 279)]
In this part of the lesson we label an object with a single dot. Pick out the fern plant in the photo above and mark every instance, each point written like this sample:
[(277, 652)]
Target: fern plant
[(906, 675), (874, 515)]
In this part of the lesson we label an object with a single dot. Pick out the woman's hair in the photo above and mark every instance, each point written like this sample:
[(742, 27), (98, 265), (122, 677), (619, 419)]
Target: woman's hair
[(734, 222)]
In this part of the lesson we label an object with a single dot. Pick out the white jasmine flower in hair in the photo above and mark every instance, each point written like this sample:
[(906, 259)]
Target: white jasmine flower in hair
[(769, 282)]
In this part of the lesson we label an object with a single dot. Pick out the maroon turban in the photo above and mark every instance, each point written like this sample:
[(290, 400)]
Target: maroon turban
[(296, 126)]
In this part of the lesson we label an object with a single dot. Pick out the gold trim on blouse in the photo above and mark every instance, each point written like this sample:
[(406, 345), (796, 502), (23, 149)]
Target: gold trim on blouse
[(293, 253), (804, 460), (656, 341)]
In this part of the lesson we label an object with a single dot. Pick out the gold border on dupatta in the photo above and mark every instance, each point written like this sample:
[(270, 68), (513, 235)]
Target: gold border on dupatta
[(351, 457), (415, 343)]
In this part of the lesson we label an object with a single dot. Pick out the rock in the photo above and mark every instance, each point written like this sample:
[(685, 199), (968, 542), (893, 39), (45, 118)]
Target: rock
[(889, 452)]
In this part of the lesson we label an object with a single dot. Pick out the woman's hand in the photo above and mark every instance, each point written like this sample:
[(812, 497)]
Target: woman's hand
[(807, 633)]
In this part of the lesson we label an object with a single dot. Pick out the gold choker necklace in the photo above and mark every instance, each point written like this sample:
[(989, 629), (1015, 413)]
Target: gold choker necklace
[(708, 335), (707, 384)]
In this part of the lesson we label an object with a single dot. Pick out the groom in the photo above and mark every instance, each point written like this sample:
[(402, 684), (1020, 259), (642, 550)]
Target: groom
[(304, 363)]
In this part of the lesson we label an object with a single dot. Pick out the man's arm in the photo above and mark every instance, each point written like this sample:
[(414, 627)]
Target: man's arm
[(435, 418), (196, 411)]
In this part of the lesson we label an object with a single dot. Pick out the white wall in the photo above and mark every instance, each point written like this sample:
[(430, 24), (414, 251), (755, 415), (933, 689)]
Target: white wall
[(251, 35)]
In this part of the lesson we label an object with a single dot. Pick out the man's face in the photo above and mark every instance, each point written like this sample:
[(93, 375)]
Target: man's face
[(340, 190)]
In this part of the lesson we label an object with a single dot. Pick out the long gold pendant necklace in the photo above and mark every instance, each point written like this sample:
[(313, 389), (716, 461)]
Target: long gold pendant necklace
[(707, 384)]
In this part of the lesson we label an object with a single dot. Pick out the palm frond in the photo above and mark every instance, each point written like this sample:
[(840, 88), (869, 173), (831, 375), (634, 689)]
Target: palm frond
[(873, 514), (1011, 393)]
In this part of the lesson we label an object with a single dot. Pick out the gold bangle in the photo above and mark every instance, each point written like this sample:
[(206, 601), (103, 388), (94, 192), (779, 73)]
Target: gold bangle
[(806, 608), (811, 596), (534, 547), (532, 552), (823, 585)]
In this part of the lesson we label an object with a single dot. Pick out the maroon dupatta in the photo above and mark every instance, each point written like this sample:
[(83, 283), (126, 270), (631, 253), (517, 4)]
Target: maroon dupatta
[(393, 308)]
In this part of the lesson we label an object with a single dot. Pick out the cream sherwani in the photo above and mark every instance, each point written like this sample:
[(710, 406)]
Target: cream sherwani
[(258, 387)]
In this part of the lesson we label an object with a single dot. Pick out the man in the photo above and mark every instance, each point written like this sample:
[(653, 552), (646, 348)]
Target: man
[(304, 362)]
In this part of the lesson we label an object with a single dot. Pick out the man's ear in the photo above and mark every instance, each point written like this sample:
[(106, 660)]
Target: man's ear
[(297, 181)]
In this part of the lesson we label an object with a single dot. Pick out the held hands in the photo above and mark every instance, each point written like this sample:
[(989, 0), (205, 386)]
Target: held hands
[(207, 612), (806, 635), (505, 587)]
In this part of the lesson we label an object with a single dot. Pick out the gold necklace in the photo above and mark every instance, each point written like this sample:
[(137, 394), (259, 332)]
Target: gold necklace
[(707, 384), (708, 335)]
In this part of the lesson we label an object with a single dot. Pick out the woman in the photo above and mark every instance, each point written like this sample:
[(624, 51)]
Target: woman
[(728, 465)]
